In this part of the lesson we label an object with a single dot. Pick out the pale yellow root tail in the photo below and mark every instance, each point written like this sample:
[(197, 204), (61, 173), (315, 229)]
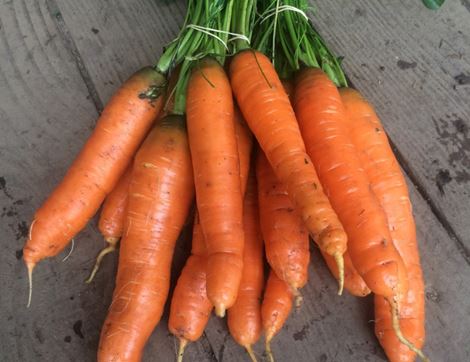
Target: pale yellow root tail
[(30, 282), (109, 249), (250, 352), (220, 311), (298, 299), (399, 334), (183, 344), (340, 263), (269, 352)]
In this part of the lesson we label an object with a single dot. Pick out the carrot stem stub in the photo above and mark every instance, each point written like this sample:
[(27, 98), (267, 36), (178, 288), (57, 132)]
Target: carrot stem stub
[(270, 116), (213, 143)]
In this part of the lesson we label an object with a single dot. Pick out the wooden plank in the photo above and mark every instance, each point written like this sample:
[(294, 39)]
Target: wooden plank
[(413, 65), (332, 328)]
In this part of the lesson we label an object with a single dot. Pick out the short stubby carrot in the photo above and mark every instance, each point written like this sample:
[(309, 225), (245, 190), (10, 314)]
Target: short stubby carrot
[(285, 236), (119, 131), (389, 185), (160, 196), (244, 317), (269, 114), (112, 218), (353, 282), (213, 143), (321, 116), (276, 307)]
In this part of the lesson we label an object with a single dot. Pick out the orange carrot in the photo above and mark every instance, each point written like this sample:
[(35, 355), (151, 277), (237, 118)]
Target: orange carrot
[(322, 121), (112, 218), (119, 131), (285, 236), (276, 306), (160, 195), (244, 317), (268, 112), (389, 186), (215, 159), (190, 307)]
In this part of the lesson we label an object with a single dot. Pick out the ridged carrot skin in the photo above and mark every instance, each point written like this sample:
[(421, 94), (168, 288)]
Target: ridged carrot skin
[(389, 186), (160, 195), (353, 282), (210, 117), (321, 116), (119, 131), (190, 307), (113, 212), (244, 317), (276, 307), (285, 235), (269, 114)]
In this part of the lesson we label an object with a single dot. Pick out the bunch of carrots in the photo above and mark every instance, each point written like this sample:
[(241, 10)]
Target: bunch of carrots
[(248, 113)]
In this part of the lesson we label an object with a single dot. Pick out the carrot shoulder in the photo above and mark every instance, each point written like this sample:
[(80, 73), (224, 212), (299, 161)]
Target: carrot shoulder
[(270, 116), (244, 317), (160, 195), (216, 174), (389, 186), (119, 131), (321, 117)]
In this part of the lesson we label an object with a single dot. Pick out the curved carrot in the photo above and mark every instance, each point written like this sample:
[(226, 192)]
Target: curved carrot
[(353, 282), (112, 218), (119, 131), (244, 317), (270, 116), (215, 159), (321, 118), (276, 307), (160, 195), (285, 236), (389, 186)]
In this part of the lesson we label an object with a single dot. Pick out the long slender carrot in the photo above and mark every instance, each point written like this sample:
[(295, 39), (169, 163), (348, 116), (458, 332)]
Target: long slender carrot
[(160, 195), (214, 153), (389, 186), (285, 236), (244, 317), (276, 307), (112, 218), (268, 112), (190, 307), (321, 117), (119, 131)]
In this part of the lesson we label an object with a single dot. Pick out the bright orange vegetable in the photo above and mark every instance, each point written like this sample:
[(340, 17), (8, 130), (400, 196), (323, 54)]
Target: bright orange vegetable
[(285, 236), (112, 218), (389, 186), (276, 307), (270, 116), (160, 195), (119, 131), (322, 117), (244, 317), (190, 307), (210, 117)]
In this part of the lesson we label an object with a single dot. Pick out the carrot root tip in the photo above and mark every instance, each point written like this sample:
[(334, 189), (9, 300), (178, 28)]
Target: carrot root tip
[(220, 311), (399, 334), (340, 263), (269, 352), (251, 353), (183, 344), (298, 297), (30, 283), (99, 258)]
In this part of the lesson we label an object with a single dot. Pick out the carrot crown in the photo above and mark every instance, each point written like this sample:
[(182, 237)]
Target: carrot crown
[(284, 32)]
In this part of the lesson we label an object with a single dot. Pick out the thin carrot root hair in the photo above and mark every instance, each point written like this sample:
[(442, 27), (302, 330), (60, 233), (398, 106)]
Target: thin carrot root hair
[(399, 334), (298, 297), (340, 262), (109, 249), (220, 311), (30, 283), (251, 353), (269, 352), (183, 344), (70, 252)]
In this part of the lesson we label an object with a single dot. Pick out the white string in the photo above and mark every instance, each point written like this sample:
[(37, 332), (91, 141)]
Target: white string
[(70, 252), (211, 31), (282, 8)]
